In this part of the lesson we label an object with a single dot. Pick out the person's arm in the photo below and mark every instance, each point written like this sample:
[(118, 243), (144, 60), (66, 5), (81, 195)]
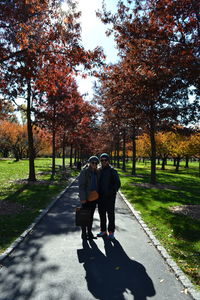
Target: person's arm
[(82, 186), (116, 180)]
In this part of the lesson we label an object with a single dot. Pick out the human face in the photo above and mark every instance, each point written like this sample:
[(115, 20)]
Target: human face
[(93, 165), (104, 162)]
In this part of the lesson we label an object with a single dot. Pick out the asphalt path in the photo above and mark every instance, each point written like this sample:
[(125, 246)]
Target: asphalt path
[(53, 263)]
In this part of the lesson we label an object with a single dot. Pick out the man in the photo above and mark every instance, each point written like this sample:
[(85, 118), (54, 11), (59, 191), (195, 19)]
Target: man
[(109, 183), (88, 181)]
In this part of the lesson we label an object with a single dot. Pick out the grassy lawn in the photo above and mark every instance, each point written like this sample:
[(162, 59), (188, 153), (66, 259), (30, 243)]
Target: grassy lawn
[(33, 197), (180, 235)]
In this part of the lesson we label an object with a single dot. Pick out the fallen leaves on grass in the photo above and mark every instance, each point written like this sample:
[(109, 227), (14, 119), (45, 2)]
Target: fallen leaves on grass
[(192, 211)]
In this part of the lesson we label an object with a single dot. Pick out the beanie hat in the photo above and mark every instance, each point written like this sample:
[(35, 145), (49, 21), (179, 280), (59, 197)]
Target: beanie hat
[(105, 155), (93, 158)]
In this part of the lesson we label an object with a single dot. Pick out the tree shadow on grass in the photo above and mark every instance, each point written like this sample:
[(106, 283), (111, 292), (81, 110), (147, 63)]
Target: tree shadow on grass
[(183, 227), (114, 274), (144, 196)]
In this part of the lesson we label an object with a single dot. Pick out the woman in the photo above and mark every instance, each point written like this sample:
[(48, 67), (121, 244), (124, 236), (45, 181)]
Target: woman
[(88, 185)]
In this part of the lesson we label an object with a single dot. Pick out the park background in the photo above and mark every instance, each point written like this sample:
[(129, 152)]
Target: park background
[(143, 110)]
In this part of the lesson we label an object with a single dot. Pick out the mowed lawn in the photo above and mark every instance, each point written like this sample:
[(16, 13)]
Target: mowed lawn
[(26, 199), (179, 234)]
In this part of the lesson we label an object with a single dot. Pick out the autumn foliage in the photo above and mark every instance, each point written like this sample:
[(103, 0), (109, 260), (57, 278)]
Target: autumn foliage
[(40, 51), (148, 89), (145, 94)]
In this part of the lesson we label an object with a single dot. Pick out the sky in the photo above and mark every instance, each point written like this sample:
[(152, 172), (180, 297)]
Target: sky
[(93, 35)]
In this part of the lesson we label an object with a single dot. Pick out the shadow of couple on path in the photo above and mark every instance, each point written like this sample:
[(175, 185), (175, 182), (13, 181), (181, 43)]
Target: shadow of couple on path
[(113, 275)]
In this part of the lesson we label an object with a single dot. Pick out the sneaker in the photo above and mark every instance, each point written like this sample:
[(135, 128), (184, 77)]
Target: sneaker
[(102, 234), (111, 235)]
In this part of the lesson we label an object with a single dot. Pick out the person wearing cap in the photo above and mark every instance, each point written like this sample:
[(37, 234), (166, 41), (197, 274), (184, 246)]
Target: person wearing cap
[(109, 184), (88, 182)]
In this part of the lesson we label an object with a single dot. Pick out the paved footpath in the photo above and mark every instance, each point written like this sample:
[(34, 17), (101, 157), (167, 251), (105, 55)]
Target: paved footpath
[(54, 264)]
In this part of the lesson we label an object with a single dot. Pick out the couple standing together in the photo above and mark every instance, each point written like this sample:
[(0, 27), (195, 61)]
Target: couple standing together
[(105, 181)]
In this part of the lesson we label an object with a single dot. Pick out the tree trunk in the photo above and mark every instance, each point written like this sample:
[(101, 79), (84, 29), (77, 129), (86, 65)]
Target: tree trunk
[(124, 151), (71, 154), (163, 163), (53, 143), (177, 164), (63, 153), (187, 162), (75, 156), (110, 155), (174, 162), (115, 155), (153, 150), (16, 156), (133, 172), (118, 162), (31, 151)]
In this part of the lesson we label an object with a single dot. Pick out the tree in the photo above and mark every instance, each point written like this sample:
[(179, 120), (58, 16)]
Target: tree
[(194, 146), (5, 138), (150, 42), (164, 144), (37, 35), (13, 139), (143, 146)]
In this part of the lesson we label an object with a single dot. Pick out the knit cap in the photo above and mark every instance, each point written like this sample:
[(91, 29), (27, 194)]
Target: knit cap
[(105, 155), (93, 158)]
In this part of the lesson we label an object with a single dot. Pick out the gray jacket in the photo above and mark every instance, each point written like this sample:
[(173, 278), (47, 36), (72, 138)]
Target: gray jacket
[(84, 182)]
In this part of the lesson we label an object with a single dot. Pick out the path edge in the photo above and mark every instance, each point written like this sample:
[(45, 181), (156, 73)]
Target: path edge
[(180, 275), (22, 236)]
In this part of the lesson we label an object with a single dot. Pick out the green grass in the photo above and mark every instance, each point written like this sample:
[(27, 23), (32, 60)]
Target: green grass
[(180, 235), (33, 196)]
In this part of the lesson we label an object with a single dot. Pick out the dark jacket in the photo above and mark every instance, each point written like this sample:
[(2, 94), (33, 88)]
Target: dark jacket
[(84, 182), (109, 182)]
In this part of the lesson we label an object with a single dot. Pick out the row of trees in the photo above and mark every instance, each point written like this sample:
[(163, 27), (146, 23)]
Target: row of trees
[(171, 145), (149, 89), (14, 141), (40, 55)]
